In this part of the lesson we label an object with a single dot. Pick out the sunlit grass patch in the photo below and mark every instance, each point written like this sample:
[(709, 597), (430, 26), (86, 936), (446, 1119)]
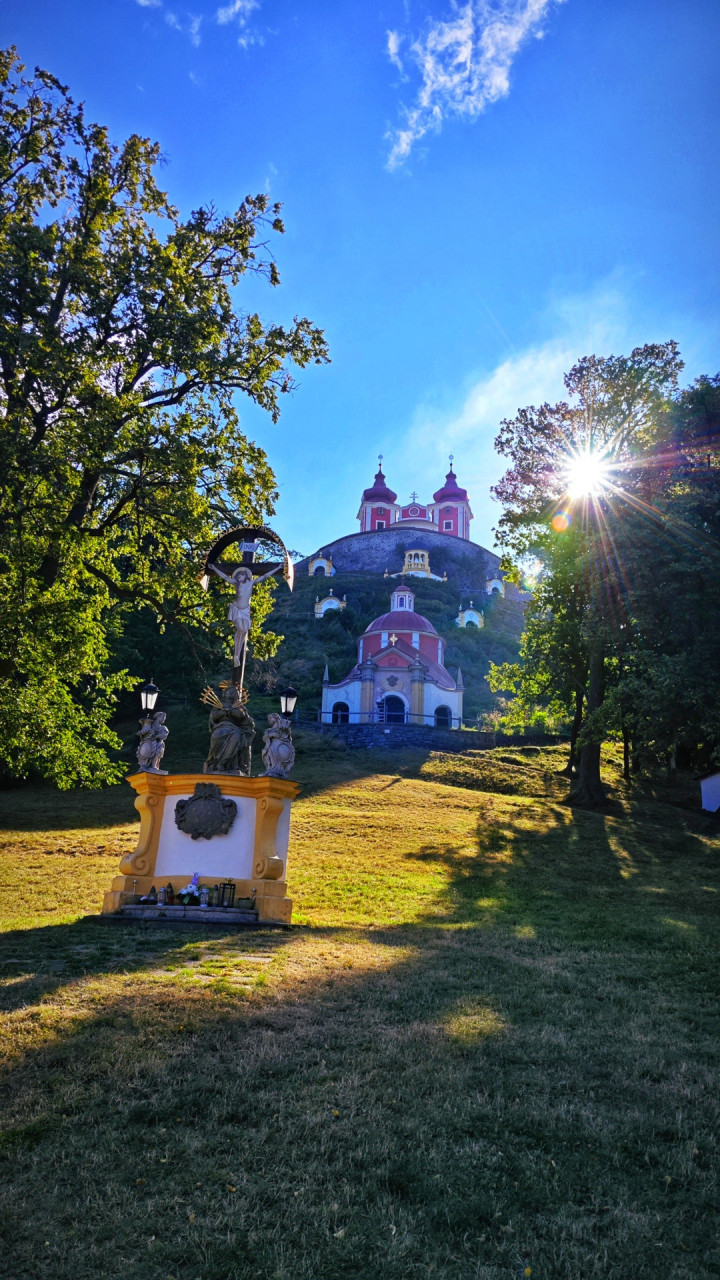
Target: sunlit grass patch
[(471, 1021)]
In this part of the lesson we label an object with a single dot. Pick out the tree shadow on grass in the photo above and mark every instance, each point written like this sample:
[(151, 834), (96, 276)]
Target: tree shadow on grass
[(35, 963), (588, 877)]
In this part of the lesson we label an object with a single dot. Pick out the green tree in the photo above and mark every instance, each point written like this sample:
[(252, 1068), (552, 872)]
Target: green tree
[(670, 549), (552, 666), (122, 348), (567, 462)]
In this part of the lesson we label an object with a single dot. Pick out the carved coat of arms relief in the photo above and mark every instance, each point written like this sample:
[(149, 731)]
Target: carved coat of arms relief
[(206, 813)]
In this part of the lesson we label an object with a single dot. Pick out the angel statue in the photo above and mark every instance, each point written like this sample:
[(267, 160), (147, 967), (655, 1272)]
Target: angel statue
[(242, 580), (231, 733), (151, 747), (278, 750)]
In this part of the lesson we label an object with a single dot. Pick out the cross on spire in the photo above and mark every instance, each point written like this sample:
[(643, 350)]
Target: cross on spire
[(413, 496)]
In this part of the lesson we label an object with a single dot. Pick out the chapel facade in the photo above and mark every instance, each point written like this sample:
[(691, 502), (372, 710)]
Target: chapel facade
[(399, 676)]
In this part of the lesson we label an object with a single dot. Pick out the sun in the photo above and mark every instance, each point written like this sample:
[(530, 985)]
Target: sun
[(586, 474)]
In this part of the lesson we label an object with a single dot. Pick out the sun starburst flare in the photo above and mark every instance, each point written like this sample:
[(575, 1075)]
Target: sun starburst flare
[(586, 475)]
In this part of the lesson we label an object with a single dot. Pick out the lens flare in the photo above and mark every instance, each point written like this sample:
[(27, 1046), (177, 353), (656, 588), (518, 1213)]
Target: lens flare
[(561, 521), (586, 474)]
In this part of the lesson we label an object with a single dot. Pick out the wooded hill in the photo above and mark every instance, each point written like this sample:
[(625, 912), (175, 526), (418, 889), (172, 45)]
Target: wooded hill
[(309, 642)]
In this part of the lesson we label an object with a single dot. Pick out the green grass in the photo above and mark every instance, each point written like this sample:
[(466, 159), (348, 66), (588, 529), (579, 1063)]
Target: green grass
[(489, 1044)]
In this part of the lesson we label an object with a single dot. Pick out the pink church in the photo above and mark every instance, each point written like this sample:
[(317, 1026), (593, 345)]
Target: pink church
[(449, 511), (399, 677)]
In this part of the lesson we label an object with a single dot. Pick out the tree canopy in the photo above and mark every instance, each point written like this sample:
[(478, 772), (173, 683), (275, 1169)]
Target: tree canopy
[(123, 346), (618, 492)]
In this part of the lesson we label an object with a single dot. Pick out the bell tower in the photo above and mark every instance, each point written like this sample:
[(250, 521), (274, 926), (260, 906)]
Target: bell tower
[(377, 506)]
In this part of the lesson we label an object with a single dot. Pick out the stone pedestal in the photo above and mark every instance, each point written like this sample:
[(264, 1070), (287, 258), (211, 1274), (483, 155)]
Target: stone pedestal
[(253, 853)]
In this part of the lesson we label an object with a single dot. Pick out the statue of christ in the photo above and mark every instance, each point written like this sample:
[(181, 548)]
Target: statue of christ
[(239, 611)]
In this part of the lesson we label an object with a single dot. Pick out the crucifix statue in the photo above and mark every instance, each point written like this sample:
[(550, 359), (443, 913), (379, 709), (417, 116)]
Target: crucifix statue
[(239, 610), (242, 579)]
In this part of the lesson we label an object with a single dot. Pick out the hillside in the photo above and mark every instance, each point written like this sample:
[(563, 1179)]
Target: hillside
[(310, 643), (486, 1050)]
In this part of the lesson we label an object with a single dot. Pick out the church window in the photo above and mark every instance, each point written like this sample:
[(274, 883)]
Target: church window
[(447, 524), (379, 524), (319, 571), (414, 511), (443, 718), (340, 713), (401, 602), (416, 639)]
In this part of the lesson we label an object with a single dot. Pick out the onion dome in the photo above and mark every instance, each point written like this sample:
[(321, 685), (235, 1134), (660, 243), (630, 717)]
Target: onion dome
[(451, 491), (401, 620), (379, 491)]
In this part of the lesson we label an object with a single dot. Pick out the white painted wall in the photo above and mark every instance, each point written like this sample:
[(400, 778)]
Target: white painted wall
[(710, 790), (230, 855)]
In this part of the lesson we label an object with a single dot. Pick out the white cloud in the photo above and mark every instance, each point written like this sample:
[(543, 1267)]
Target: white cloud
[(464, 64), (394, 40), (576, 326), (150, 4), (237, 9), (191, 28)]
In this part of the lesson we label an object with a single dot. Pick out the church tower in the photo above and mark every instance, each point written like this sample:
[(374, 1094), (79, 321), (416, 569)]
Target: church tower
[(377, 507), (451, 507)]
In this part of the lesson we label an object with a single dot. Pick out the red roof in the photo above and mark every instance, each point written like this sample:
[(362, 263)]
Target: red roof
[(451, 491), (379, 491), (401, 620), (437, 674)]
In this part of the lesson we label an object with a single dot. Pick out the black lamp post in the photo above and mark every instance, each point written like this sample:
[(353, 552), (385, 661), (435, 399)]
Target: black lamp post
[(149, 696), (288, 698)]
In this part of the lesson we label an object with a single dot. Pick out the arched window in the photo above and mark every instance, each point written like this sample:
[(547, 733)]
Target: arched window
[(443, 718), (319, 571), (340, 713)]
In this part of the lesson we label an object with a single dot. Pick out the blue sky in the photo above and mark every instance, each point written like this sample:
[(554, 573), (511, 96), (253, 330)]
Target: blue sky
[(475, 195)]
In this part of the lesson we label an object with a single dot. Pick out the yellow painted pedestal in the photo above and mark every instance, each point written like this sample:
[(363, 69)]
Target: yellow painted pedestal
[(253, 853)]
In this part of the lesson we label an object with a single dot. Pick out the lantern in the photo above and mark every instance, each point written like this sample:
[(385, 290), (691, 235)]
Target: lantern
[(288, 698), (227, 893), (149, 695)]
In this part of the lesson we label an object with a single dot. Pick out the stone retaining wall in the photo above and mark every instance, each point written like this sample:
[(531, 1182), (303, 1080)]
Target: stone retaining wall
[(391, 736)]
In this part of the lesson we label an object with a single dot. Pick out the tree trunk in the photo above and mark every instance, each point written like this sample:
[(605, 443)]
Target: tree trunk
[(626, 754), (588, 792), (571, 766)]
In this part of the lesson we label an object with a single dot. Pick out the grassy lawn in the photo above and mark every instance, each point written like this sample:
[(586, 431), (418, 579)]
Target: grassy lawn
[(488, 1048)]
